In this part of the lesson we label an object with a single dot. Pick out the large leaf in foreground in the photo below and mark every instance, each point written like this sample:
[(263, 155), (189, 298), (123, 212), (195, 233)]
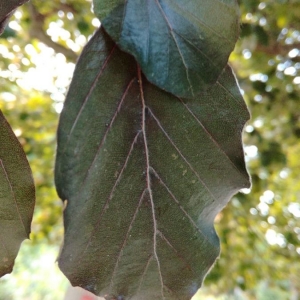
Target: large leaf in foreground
[(144, 174), (17, 197), (182, 46), (7, 8)]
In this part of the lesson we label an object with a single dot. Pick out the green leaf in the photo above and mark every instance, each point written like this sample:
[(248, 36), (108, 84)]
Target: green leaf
[(143, 174), (7, 9), (182, 46), (8, 32), (17, 197)]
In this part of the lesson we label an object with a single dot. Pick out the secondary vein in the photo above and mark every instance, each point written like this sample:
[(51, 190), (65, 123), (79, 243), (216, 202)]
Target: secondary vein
[(13, 195)]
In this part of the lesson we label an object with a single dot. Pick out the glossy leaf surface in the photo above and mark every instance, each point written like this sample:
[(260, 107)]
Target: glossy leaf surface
[(17, 197), (181, 46), (144, 174), (7, 8)]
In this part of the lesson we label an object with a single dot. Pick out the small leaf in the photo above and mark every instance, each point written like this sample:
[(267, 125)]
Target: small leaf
[(7, 8), (8, 32), (17, 197), (143, 174), (182, 46)]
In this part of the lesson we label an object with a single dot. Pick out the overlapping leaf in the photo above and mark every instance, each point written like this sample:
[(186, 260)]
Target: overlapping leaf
[(17, 197), (181, 45), (7, 8), (143, 174)]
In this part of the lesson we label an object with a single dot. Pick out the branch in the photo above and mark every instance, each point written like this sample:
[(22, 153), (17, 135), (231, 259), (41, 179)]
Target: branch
[(36, 31), (275, 48)]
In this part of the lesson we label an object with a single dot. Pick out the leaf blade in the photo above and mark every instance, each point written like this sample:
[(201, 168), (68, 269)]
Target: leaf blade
[(177, 43), (17, 196), (141, 197)]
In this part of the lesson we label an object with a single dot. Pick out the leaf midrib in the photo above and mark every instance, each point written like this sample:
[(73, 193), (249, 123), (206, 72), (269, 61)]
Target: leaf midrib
[(148, 179)]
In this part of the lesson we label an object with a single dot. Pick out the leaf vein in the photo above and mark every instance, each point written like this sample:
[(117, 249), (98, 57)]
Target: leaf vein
[(213, 140), (126, 238), (182, 156), (180, 206), (108, 128), (175, 41), (228, 92), (144, 273), (195, 47), (94, 84), (163, 237), (148, 35), (111, 192), (201, 22), (149, 180), (13, 195)]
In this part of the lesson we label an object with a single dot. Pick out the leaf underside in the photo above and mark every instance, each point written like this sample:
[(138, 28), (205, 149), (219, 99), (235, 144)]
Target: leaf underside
[(7, 8), (181, 45), (144, 174), (17, 197)]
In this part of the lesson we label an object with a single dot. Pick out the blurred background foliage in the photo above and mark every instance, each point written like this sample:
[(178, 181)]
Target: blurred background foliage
[(259, 230)]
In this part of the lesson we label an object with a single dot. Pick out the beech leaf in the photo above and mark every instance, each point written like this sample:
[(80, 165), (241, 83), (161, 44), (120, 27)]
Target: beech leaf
[(182, 46), (143, 175), (17, 197)]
